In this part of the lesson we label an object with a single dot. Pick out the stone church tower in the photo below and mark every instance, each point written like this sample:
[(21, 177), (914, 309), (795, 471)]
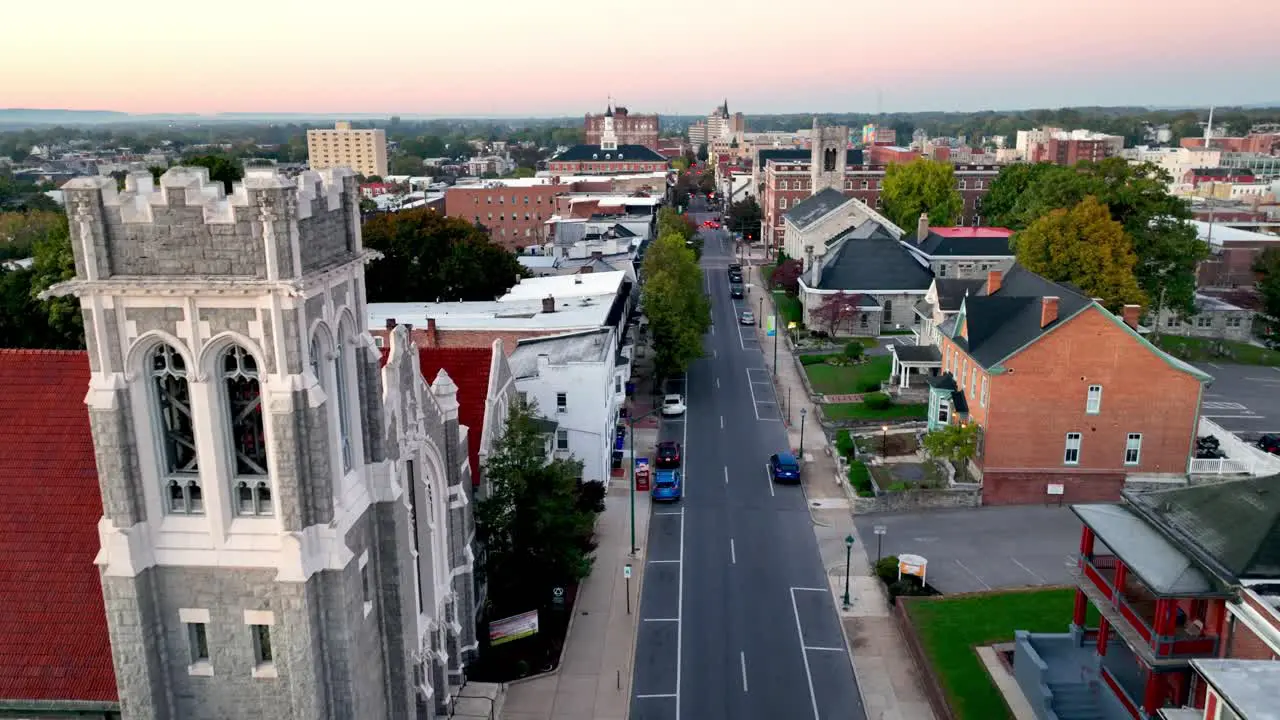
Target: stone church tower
[(255, 541), (830, 151)]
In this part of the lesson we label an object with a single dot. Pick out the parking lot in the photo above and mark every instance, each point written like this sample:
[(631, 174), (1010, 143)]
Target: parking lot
[(974, 549), (1244, 399), (763, 398)]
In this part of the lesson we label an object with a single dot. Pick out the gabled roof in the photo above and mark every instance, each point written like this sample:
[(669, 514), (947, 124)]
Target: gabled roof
[(469, 370), (594, 153), (815, 207), (54, 644), (873, 263), (964, 242), (999, 325), (953, 291), (1234, 525)]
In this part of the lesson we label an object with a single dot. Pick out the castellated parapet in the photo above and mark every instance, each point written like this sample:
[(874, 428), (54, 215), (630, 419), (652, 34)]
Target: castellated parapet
[(270, 227)]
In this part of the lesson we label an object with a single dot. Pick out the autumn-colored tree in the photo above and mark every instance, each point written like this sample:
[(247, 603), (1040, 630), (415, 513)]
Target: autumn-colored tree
[(834, 310), (787, 276), (921, 186), (1085, 247)]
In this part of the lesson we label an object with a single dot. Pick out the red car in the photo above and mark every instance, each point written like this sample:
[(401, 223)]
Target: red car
[(668, 454), (712, 224)]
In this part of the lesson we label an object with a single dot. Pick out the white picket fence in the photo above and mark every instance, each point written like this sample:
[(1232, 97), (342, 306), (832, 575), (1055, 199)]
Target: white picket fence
[(1242, 458)]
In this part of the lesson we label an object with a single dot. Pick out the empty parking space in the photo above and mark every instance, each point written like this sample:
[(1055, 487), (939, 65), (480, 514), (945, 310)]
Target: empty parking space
[(1243, 399), (656, 678), (832, 692), (975, 549), (763, 399)]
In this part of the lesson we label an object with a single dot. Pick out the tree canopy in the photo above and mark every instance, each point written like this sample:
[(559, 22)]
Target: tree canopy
[(744, 217), (834, 310), (921, 186), (25, 320), (678, 311), (223, 169), (536, 525), (1000, 204), (957, 443), (429, 257), (1085, 247), (1138, 198), (1267, 266)]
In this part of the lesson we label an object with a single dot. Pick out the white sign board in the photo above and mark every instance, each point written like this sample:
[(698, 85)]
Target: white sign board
[(881, 530), (912, 565), (626, 571), (1057, 488)]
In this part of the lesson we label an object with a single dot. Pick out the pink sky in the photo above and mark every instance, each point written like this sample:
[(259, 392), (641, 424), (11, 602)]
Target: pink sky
[(509, 57)]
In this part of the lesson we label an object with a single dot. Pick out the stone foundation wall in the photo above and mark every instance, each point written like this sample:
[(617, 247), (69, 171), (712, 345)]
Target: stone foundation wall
[(918, 499)]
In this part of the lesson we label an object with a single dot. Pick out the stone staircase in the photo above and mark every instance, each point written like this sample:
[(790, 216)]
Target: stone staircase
[(1075, 701)]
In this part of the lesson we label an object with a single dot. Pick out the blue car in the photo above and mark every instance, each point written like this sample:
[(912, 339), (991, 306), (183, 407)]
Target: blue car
[(667, 485), (784, 467)]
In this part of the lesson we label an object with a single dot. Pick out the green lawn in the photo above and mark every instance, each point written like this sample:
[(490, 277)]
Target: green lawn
[(863, 377), (858, 411), (951, 628), (788, 307), (1206, 350)]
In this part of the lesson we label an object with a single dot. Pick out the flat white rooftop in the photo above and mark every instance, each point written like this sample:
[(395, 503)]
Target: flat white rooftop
[(1222, 233), (566, 286), (570, 314)]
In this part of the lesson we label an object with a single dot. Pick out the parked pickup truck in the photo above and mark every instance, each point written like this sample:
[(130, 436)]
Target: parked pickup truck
[(667, 485)]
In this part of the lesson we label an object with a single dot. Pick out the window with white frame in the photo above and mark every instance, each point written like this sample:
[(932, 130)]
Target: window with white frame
[(562, 402), (1132, 448), (196, 623), (562, 439), (1093, 401), (1171, 321), (782, 185), (1204, 321), (1234, 321), (366, 583), (982, 399), (944, 411), (865, 185), (179, 464), (246, 431), (782, 203), (341, 389), (1071, 455)]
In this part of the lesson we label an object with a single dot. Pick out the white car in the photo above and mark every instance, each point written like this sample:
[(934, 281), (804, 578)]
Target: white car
[(747, 318), (673, 405)]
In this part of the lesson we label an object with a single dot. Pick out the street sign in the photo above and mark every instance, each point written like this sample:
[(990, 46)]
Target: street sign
[(880, 530), (626, 571), (557, 596)]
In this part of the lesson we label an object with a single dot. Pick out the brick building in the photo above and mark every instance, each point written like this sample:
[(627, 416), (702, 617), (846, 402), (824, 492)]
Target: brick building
[(630, 129), (601, 160), (1196, 177), (513, 211), (1069, 151), (1263, 143), (1068, 396), (1185, 586)]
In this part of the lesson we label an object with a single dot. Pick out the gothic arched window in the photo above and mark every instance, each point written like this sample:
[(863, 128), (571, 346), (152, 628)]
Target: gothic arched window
[(179, 462), (341, 377), (246, 431)]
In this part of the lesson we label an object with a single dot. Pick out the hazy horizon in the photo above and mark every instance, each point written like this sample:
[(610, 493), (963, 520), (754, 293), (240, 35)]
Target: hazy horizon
[(499, 58)]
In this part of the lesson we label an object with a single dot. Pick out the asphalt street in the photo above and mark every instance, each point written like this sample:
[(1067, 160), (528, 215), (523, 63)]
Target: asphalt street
[(1244, 399), (737, 620)]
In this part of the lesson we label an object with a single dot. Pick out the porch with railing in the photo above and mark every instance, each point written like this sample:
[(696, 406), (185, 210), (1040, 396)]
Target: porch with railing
[(1241, 458)]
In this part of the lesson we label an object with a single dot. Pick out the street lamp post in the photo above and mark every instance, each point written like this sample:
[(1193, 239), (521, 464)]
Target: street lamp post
[(803, 412), (777, 330), (760, 311), (848, 555), (884, 440)]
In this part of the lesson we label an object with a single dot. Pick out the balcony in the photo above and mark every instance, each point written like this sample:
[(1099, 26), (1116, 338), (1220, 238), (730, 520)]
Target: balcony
[(1132, 609)]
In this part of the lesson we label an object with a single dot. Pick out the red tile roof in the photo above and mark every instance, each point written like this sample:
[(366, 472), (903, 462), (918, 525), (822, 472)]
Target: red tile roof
[(53, 626), (972, 232), (469, 368)]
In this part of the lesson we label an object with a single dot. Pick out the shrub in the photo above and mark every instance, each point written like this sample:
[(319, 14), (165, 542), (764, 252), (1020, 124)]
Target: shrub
[(887, 569), (591, 496), (877, 401), (868, 386), (813, 359), (854, 350), (844, 443), (860, 479), (909, 586), (898, 487)]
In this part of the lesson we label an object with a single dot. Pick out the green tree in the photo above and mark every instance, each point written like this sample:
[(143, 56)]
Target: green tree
[(680, 164), (702, 153), (957, 443), (918, 187), (522, 172), (223, 169), (156, 171), (673, 223), (744, 217), (19, 231), (405, 165), (1001, 201), (1267, 266), (429, 257), (678, 311), (536, 533), (1085, 247), (28, 321)]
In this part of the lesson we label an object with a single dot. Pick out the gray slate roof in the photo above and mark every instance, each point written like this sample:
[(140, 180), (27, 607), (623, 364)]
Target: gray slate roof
[(1250, 687), (1236, 525), (584, 346), (873, 263), (624, 153), (1000, 324), (917, 353), (953, 291), (936, 245), (814, 207)]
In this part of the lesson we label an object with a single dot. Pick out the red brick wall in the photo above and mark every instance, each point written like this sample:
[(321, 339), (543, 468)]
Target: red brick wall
[(468, 338), (1246, 645), (1042, 397), (1031, 487), (503, 211)]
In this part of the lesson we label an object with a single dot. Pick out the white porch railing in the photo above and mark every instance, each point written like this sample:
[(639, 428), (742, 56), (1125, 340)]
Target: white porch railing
[(1242, 458)]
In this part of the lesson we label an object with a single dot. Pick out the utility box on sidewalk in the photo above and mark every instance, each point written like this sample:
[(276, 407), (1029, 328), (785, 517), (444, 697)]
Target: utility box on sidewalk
[(642, 474)]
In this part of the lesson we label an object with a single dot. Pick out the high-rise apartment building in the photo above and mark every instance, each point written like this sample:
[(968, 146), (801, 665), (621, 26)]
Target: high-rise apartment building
[(363, 150)]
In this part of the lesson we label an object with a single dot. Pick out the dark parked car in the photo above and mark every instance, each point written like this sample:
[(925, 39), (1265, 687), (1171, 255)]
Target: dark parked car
[(735, 290), (668, 454), (784, 467), (1270, 443)]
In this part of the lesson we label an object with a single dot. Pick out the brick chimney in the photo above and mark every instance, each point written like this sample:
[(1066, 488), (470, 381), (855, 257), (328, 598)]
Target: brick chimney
[(922, 228), (391, 323), (548, 304), (993, 281), (1048, 310), (597, 255), (1131, 313), (586, 269), (433, 338)]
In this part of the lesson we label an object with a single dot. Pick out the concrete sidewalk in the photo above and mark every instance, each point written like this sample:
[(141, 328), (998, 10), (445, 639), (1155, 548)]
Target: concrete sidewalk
[(886, 676), (593, 681)]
